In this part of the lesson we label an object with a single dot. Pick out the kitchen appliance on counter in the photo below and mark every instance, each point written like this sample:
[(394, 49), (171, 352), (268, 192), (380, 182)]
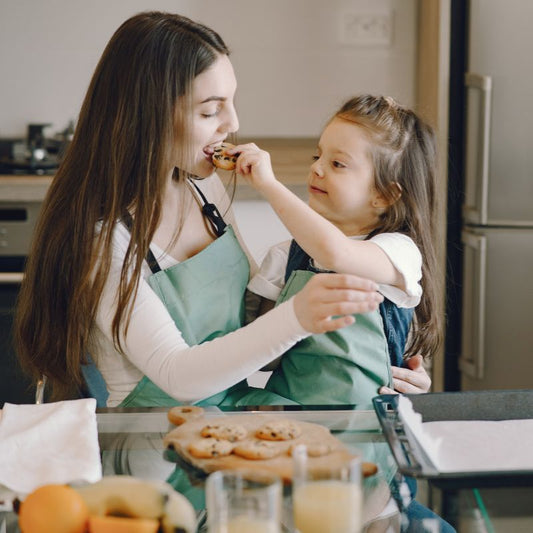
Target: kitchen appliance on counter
[(496, 344), (34, 155), (17, 224)]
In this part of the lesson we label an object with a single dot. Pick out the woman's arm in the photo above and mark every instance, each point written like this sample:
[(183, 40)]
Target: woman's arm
[(266, 305), (322, 240)]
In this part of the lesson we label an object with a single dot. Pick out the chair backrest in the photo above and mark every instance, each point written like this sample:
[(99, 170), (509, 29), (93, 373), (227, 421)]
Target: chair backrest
[(94, 386)]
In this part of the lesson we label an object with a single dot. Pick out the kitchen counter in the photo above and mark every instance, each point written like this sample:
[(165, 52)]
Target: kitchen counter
[(24, 188), (291, 159)]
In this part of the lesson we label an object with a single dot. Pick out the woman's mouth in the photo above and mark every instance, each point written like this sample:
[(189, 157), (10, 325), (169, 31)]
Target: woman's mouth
[(209, 150)]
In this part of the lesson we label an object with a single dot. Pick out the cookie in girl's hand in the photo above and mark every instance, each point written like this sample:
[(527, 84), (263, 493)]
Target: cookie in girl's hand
[(221, 159)]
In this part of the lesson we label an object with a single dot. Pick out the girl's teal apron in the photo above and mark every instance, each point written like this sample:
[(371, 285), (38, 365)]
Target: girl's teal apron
[(346, 366)]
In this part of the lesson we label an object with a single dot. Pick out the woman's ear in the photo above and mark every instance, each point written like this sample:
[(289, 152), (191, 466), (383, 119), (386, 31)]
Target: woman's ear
[(380, 201)]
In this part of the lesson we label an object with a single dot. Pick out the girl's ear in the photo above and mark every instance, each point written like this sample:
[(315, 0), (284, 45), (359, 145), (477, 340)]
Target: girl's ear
[(380, 201)]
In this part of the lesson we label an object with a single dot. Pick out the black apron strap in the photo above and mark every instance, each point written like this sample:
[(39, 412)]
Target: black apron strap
[(211, 212), (208, 209)]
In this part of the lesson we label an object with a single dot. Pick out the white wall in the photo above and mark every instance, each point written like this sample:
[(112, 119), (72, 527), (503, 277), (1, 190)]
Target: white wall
[(259, 226), (292, 70)]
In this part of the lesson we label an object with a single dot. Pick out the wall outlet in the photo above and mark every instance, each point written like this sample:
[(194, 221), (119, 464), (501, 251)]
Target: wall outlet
[(366, 29)]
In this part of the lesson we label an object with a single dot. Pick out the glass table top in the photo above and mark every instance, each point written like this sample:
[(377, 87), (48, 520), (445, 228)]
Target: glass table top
[(131, 443)]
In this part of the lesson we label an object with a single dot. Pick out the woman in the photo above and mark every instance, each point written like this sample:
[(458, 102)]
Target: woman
[(133, 186), (131, 264)]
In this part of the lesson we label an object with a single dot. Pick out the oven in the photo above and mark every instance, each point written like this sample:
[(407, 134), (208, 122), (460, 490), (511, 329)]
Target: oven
[(17, 224)]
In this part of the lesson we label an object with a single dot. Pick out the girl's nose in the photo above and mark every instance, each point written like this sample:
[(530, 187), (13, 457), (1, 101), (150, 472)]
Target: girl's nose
[(316, 168)]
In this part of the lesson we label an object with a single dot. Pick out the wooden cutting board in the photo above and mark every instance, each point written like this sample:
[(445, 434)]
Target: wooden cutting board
[(181, 437)]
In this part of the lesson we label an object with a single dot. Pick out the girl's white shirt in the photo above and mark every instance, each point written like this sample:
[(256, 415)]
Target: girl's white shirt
[(401, 250), (154, 346)]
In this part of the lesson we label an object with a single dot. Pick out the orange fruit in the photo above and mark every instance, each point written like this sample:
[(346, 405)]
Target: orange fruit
[(120, 524), (53, 509)]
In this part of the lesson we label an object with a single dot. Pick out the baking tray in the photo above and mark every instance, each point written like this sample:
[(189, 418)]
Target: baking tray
[(471, 405)]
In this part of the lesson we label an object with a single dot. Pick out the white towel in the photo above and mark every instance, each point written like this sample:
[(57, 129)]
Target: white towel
[(48, 443)]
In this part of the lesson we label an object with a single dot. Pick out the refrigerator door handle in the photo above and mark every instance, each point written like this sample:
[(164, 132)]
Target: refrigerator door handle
[(472, 359), (475, 209)]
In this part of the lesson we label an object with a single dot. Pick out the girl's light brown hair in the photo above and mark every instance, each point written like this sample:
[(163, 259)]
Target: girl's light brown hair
[(134, 117), (404, 156)]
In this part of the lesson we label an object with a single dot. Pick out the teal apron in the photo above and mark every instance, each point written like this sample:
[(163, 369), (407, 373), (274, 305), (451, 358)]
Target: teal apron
[(204, 295), (346, 366)]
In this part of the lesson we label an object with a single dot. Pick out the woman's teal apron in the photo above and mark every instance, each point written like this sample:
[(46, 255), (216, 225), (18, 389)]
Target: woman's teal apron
[(204, 295), (346, 366)]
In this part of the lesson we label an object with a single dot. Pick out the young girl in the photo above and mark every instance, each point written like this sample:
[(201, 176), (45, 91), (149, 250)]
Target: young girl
[(370, 213), (131, 263)]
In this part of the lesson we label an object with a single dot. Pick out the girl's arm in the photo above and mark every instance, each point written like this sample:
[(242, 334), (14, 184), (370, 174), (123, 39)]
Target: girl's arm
[(321, 239)]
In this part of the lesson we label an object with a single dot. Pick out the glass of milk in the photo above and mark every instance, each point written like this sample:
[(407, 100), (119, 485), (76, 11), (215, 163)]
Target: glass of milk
[(243, 501), (328, 498)]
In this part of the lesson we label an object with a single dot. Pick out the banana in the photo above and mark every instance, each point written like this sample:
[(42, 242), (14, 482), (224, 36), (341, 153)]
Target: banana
[(138, 498)]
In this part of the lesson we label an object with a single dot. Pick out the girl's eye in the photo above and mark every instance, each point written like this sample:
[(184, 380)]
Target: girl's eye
[(315, 158), (338, 164)]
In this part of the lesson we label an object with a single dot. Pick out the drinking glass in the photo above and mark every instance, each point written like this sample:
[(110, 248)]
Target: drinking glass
[(327, 499), (243, 501)]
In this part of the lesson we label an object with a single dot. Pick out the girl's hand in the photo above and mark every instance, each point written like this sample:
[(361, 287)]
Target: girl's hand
[(254, 165), (411, 380), (328, 301)]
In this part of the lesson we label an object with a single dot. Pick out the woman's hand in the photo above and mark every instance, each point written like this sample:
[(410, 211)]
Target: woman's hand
[(328, 301), (254, 165), (411, 380)]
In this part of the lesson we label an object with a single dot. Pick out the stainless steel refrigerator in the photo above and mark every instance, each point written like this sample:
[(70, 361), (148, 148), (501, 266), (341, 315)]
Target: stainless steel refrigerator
[(496, 348)]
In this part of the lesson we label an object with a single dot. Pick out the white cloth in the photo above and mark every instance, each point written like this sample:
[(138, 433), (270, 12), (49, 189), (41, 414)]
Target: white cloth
[(155, 347), (462, 445), (48, 443), (401, 250)]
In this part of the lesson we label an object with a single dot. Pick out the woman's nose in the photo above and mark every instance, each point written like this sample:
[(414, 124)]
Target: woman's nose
[(231, 122)]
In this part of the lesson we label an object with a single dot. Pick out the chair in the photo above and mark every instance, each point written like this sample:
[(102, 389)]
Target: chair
[(94, 385)]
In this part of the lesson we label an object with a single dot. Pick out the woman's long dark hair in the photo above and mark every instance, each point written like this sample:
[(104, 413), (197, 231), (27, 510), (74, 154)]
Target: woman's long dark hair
[(134, 118), (404, 153)]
